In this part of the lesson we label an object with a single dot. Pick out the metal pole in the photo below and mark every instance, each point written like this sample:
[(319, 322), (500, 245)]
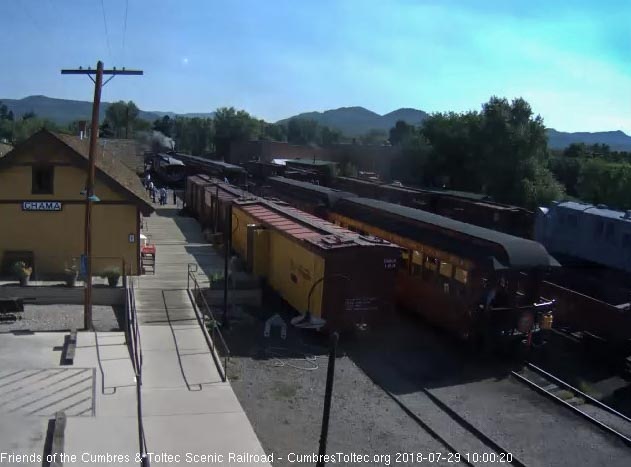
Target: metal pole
[(227, 245), (89, 192), (330, 374)]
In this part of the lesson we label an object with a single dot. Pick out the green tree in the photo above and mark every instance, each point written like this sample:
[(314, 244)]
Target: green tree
[(374, 136), (24, 129), (455, 152), (121, 116), (329, 136), (165, 125), (272, 131), (576, 150), (566, 170), (400, 132), (302, 131), (233, 125)]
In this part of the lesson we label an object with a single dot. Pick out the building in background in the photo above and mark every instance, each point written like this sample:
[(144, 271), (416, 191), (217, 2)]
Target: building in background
[(42, 207)]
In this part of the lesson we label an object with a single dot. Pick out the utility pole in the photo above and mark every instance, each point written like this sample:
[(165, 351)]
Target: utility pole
[(89, 190)]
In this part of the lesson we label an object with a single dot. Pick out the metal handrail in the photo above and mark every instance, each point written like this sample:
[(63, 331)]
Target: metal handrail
[(132, 332), (215, 332)]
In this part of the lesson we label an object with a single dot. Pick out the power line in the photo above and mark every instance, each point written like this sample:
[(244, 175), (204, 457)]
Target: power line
[(107, 36), (125, 24)]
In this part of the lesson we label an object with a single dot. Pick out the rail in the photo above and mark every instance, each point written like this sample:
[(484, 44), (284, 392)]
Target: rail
[(213, 334), (545, 390), (132, 335)]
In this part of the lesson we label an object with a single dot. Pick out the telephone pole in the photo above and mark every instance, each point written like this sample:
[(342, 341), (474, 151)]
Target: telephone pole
[(89, 190)]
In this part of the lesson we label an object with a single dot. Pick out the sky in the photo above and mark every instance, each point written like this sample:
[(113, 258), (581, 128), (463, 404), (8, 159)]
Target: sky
[(571, 60)]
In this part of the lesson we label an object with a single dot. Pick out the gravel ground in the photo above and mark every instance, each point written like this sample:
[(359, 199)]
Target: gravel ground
[(59, 318), (281, 387), (405, 357)]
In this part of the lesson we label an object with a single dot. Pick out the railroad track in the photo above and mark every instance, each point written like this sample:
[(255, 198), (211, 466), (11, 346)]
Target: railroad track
[(493, 454), (591, 409)]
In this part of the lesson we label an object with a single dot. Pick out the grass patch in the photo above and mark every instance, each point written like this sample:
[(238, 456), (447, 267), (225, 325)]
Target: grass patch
[(589, 390), (564, 394), (284, 390)]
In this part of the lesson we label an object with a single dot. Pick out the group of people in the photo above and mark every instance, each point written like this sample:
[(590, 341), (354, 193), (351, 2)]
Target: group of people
[(155, 192)]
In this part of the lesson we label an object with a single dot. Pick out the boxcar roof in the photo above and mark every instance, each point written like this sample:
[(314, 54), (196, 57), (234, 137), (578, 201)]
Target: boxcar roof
[(305, 227), (442, 232)]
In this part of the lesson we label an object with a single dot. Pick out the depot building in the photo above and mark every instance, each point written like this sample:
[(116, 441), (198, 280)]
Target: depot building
[(42, 207)]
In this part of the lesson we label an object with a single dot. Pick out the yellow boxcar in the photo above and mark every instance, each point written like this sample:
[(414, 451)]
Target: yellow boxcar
[(337, 275)]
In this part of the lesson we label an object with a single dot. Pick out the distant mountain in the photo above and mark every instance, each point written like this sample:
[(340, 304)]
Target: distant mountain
[(352, 121), (356, 121), (616, 140), (64, 111)]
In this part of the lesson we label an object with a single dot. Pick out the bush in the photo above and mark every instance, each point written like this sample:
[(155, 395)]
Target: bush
[(21, 269)]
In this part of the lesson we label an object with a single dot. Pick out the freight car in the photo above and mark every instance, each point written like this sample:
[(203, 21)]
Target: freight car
[(194, 193), (334, 277), (478, 283), (591, 233), (473, 208), (314, 199)]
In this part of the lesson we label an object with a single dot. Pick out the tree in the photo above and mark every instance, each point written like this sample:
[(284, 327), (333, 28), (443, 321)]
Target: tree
[(400, 132), (576, 150), (455, 153), (272, 131), (329, 136), (374, 136), (233, 125), (121, 116), (411, 164), (302, 131), (165, 125), (566, 170)]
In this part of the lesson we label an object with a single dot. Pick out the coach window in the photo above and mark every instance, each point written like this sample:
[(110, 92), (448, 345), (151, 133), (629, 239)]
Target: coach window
[(417, 263), (42, 180), (461, 277), (405, 260), (445, 270), (430, 267)]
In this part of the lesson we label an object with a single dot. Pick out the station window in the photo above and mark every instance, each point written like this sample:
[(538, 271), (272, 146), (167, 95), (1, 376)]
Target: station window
[(42, 180)]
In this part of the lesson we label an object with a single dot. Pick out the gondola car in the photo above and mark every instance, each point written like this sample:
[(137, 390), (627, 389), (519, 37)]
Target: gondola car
[(480, 284)]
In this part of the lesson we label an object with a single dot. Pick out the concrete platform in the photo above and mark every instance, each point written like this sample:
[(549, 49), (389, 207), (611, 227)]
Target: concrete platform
[(186, 406)]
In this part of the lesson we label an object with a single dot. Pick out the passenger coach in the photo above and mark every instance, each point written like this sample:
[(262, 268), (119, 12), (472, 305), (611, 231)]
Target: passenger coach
[(478, 283)]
